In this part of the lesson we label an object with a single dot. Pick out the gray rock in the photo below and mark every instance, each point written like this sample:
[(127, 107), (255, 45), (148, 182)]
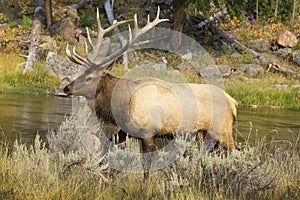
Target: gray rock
[(296, 58), (260, 45), (67, 26), (63, 68), (150, 65), (215, 71), (236, 56), (252, 70), (284, 53), (187, 57), (48, 44)]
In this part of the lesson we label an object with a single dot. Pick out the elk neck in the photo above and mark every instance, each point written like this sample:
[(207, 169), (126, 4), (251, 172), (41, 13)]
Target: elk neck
[(103, 97)]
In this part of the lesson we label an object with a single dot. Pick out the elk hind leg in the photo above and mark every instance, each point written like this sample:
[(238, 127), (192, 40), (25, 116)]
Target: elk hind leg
[(148, 146)]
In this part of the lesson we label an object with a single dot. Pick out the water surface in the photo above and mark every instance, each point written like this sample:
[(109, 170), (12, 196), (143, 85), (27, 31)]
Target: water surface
[(22, 116)]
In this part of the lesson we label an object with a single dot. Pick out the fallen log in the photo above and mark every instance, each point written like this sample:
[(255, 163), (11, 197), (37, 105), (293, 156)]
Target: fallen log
[(35, 36), (235, 45)]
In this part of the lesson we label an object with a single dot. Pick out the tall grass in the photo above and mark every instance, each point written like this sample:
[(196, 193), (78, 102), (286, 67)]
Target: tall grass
[(264, 92), (12, 79), (45, 170)]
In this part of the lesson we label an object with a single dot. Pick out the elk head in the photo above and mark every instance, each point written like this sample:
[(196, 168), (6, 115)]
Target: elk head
[(100, 59)]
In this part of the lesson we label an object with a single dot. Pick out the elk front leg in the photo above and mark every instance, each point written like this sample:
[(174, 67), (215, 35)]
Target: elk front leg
[(148, 146)]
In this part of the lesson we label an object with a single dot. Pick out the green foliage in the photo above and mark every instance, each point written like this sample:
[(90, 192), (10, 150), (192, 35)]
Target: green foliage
[(12, 79), (246, 8), (38, 79), (262, 91), (26, 23), (86, 20)]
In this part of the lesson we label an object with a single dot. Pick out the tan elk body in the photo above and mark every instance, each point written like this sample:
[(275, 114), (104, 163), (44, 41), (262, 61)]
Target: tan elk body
[(149, 107)]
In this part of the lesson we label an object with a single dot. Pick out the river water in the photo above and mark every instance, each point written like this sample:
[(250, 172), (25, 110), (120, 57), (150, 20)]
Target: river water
[(22, 116)]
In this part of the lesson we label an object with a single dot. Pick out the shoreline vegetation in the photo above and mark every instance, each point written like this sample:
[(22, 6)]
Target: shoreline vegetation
[(249, 92), (64, 168)]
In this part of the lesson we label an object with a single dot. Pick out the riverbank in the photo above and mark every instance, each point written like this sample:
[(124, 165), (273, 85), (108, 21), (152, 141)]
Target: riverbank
[(13, 81), (260, 92)]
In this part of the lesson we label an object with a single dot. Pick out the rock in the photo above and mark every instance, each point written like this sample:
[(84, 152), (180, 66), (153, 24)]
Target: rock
[(284, 53), (48, 44), (67, 26), (63, 68), (236, 56), (252, 70), (187, 57), (155, 66), (260, 45), (287, 39), (296, 57), (215, 71)]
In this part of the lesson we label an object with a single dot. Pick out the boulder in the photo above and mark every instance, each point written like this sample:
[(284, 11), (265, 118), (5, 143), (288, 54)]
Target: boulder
[(47, 44), (284, 53), (154, 66), (67, 26), (296, 57), (236, 56), (260, 45), (287, 39), (252, 70), (63, 68), (215, 71)]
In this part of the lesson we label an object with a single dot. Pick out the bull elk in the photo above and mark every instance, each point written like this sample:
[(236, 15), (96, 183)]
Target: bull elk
[(148, 108)]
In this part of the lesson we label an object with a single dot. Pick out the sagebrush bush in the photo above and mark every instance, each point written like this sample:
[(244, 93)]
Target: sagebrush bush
[(69, 165)]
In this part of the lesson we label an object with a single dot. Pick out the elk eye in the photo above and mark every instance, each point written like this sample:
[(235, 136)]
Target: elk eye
[(88, 79)]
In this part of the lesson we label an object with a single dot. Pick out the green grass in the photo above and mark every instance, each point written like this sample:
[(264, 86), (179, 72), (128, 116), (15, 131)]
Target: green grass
[(263, 92), (13, 81)]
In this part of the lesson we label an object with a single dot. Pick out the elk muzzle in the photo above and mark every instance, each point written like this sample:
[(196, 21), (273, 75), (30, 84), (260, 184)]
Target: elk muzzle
[(68, 90)]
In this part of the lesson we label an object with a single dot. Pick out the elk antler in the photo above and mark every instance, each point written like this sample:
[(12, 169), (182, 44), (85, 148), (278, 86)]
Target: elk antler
[(95, 57)]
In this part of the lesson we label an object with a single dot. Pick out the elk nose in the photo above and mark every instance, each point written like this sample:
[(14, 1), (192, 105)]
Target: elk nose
[(66, 89)]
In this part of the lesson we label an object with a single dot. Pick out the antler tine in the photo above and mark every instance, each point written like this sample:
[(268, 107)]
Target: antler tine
[(149, 25), (70, 56), (76, 58), (130, 33), (86, 47), (83, 60), (89, 37), (136, 25), (102, 32)]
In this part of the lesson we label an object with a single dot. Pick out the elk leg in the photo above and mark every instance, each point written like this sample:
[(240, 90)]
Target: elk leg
[(121, 137), (208, 144), (148, 146)]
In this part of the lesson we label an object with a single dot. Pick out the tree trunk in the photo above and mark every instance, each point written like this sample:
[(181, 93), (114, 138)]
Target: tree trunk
[(257, 1), (48, 13), (276, 9), (35, 36), (178, 23), (293, 13), (110, 15)]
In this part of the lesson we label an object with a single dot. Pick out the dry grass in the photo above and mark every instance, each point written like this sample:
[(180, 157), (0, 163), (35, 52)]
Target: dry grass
[(264, 169)]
